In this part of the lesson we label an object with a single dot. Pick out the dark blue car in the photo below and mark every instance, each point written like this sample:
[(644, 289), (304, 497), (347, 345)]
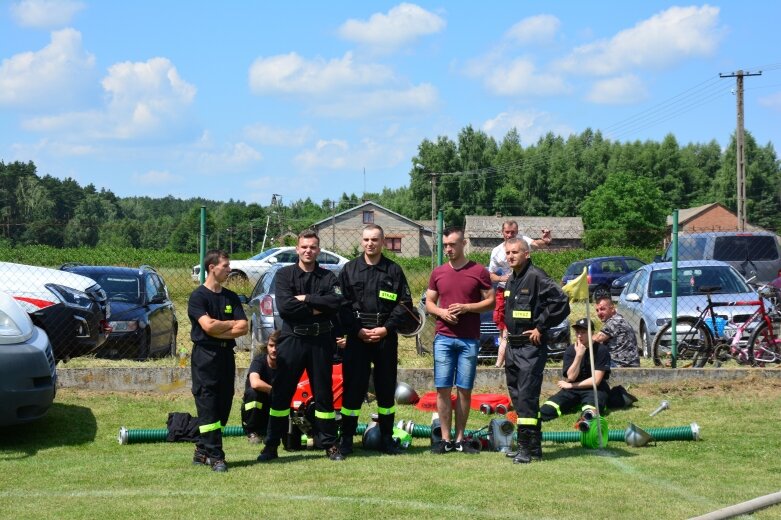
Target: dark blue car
[(143, 322), (602, 271)]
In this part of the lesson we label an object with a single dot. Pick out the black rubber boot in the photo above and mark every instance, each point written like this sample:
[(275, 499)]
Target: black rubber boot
[(524, 455), (390, 446), (349, 425), (536, 444)]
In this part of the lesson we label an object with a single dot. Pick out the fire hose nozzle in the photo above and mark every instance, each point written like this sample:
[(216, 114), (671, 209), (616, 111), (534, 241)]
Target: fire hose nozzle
[(664, 405)]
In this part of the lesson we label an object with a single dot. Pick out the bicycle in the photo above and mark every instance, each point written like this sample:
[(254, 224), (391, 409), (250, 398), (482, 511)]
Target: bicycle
[(702, 340)]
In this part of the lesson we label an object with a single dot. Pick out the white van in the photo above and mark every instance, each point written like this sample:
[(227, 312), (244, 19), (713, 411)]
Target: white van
[(72, 309), (756, 254)]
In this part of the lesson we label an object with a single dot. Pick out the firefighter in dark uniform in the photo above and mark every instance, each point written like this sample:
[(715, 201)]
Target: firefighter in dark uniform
[(307, 297), (257, 391), (217, 318), (533, 304), (378, 302)]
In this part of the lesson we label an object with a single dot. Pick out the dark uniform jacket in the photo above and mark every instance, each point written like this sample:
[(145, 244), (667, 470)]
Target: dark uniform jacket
[(375, 289), (322, 290), (533, 300)]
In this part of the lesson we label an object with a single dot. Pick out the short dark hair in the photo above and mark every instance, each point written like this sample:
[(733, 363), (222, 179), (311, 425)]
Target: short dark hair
[(309, 233), (523, 243), (213, 257), (274, 336), (453, 229), (372, 227), (509, 223)]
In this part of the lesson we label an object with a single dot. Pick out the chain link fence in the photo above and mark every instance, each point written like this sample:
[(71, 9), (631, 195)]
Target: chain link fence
[(145, 291)]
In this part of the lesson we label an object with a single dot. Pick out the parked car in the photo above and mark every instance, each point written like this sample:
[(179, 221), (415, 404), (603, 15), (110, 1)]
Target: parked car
[(617, 287), (253, 268), (602, 271), (557, 338), (262, 305), (28, 374), (646, 301), (143, 320), (755, 255), (72, 309)]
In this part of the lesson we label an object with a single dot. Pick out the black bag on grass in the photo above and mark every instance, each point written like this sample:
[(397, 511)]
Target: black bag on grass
[(182, 427)]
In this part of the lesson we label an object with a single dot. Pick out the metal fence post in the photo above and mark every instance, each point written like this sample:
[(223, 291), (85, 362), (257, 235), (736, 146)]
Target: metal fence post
[(674, 292), (203, 243)]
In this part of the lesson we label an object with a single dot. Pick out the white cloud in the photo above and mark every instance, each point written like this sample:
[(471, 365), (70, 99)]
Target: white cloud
[(621, 90), (520, 77), (272, 136), (144, 100), (292, 74), (234, 157), (664, 39), (416, 99), (45, 13), (57, 74), (534, 30), (156, 178), (530, 124), (402, 24), (772, 101), (327, 154)]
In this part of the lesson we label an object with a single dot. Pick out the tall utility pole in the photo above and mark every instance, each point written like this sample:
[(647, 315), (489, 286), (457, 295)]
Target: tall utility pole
[(740, 152)]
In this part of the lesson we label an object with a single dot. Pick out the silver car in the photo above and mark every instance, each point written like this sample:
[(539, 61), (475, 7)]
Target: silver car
[(262, 307), (646, 301)]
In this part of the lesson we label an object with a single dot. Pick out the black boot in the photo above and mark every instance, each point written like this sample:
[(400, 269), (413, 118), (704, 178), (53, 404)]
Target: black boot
[(536, 444), (390, 446), (524, 446), (349, 425)]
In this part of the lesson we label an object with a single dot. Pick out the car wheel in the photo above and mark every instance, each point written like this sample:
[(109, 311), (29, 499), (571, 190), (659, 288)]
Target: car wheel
[(645, 341), (143, 347), (172, 344)]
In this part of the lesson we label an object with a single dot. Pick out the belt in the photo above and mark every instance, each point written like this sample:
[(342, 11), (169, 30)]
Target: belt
[(313, 329), (518, 340), (372, 319), (215, 344)]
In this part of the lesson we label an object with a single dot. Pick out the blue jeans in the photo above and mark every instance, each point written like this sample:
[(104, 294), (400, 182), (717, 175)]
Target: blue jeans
[(455, 362)]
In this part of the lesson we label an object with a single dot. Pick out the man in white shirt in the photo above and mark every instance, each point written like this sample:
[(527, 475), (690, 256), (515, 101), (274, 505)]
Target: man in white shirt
[(500, 272)]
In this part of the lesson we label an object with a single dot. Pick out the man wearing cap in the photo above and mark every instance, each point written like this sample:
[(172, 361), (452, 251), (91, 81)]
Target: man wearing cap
[(500, 272), (534, 303), (576, 389)]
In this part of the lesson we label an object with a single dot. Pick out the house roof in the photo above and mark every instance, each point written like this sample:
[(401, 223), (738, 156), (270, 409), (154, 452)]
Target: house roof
[(688, 214), (491, 226), (372, 204)]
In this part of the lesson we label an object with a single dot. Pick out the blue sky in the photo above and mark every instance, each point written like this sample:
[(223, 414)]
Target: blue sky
[(244, 99)]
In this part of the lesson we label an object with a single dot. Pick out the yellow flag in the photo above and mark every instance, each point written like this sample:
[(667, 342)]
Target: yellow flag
[(577, 288)]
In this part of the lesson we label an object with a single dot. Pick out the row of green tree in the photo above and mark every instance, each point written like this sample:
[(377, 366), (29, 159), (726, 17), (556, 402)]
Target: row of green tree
[(623, 191)]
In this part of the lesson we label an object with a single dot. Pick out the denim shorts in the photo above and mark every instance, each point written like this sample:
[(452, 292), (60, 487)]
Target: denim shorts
[(455, 362)]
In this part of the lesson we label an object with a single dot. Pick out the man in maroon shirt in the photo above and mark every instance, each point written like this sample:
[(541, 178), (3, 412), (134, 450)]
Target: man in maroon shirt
[(458, 292)]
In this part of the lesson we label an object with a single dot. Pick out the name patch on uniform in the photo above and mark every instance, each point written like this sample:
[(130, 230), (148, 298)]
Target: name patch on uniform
[(523, 315), (387, 295), (506, 294), (228, 309), (524, 291)]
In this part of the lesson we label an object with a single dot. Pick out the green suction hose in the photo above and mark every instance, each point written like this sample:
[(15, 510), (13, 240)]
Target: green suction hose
[(421, 431)]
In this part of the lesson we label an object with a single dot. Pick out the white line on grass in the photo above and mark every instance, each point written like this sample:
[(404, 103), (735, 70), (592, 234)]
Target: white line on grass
[(129, 493)]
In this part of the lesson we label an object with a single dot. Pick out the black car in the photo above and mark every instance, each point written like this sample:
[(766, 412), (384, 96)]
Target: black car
[(143, 322)]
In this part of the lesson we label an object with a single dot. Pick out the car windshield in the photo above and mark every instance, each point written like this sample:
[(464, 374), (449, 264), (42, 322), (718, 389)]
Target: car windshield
[(121, 288), (265, 254), (691, 280)]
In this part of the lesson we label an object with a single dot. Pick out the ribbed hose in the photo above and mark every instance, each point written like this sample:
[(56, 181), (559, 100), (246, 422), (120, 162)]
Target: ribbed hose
[(421, 431)]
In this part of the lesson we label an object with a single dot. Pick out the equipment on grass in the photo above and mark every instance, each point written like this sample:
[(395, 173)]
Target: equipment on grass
[(664, 405), (500, 435), (405, 394), (636, 437)]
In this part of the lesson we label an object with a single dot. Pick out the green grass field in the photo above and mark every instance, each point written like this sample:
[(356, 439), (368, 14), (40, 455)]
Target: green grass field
[(69, 465)]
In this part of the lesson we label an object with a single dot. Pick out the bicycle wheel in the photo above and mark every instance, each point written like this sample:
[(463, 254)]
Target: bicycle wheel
[(764, 345), (723, 358), (692, 338)]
